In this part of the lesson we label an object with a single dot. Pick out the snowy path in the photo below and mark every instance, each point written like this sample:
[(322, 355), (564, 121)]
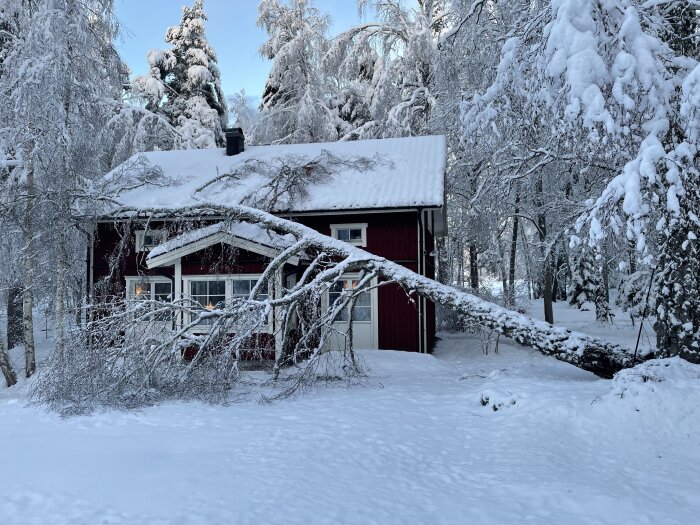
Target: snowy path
[(415, 446)]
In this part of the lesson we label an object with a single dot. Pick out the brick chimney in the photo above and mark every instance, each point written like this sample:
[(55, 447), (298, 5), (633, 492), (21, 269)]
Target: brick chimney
[(235, 141)]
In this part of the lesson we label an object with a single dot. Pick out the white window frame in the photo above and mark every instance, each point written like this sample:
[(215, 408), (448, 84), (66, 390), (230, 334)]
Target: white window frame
[(352, 226), (141, 234), (372, 294), (228, 294), (132, 280), (151, 280)]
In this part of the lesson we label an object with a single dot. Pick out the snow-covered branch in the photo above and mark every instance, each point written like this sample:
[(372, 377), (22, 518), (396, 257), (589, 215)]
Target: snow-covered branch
[(584, 351)]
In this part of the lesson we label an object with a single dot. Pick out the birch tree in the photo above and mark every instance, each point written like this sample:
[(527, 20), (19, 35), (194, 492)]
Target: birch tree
[(56, 96), (294, 107)]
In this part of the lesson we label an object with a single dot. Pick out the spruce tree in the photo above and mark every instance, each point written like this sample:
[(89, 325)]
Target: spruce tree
[(584, 279), (678, 287), (184, 82), (354, 82)]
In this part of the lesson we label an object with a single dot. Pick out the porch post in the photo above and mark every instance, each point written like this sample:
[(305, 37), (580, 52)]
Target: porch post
[(277, 313), (177, 296)]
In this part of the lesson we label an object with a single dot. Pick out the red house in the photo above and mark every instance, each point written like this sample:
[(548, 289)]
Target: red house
[(386, 196)]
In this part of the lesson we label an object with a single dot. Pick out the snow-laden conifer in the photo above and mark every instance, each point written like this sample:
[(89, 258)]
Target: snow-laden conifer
[(184, 83)]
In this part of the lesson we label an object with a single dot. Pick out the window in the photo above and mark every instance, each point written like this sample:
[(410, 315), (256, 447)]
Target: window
[(363, 303), (243, 287), (145, 288), (351, 233), (213, 292), (146, 240), (209, 294)]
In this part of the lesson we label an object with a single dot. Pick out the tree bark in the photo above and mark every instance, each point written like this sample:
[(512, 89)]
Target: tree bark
[(28, 293), (460, 262), (548, 290), (602, 292), (526, 251), (548, 271), (60, 293), (15, 331), (473, 267), (443, 274), (511, 262), (5, 366)]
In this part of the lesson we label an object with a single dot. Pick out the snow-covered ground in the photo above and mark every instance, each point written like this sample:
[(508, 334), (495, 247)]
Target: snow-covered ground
[(419, 443)]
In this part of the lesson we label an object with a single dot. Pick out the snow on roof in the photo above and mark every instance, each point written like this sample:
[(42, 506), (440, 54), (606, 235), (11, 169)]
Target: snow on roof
[(241, 230), (403, 172)]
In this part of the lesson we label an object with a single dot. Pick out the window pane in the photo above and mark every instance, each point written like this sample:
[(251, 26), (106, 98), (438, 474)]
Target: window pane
[(209, 295), (363, 299), (241, 287), (198, 288), (153, 237), (200, 299), (362, 313), (334, 294), (217, 287), (343, 234), (163, 291), (142, 291), (356, 234), (215, 301)]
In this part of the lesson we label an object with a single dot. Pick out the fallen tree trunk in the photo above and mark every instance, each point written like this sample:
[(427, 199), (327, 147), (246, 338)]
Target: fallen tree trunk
[(589, 353)]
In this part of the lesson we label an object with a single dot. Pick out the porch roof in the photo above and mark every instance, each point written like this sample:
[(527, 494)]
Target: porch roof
[(245, 235)]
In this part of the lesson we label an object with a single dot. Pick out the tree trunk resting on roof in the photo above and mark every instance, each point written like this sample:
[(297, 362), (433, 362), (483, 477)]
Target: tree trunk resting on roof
[(589, 353)]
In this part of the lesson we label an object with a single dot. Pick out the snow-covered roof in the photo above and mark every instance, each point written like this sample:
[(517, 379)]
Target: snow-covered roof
[(242, 234), (400, 172)]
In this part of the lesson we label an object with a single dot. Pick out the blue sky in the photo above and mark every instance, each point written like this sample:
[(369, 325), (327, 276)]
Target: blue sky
[(231, 30)]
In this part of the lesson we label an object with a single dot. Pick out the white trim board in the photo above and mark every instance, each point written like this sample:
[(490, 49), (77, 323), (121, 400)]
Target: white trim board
[(169, 258)]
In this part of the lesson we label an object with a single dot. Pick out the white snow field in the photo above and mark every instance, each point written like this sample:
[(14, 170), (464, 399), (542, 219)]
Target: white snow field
[(420, 443)]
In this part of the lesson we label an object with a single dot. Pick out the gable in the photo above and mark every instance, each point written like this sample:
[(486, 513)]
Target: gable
[(246, 236)]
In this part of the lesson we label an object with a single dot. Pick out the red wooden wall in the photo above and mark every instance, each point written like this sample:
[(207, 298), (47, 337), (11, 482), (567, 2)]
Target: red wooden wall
[(393, 235)]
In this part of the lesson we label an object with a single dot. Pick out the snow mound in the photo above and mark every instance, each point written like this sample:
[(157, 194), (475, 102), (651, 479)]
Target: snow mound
[(497, 399), (657, 375)]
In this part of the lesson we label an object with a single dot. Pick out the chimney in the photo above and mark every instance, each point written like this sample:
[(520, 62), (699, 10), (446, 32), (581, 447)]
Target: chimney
[(235, 141)]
